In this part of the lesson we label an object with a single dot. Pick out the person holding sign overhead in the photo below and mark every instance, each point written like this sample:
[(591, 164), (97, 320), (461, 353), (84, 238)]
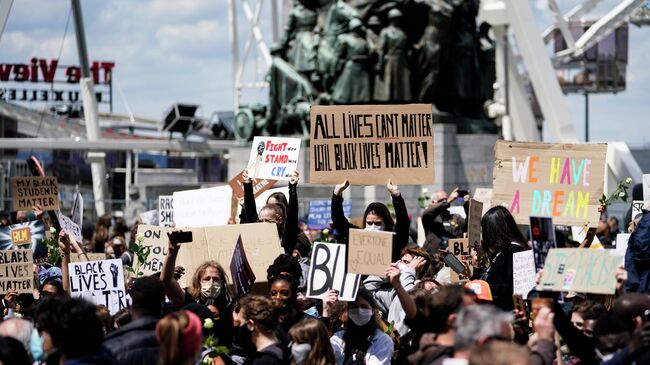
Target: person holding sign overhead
[(501, 239), (376, 217)]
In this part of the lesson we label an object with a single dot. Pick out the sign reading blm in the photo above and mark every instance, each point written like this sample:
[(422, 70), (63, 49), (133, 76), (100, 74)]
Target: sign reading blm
[(563, 181), (370, 144)]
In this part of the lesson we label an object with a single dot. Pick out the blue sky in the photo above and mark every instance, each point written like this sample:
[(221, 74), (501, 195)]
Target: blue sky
[(169, 51)]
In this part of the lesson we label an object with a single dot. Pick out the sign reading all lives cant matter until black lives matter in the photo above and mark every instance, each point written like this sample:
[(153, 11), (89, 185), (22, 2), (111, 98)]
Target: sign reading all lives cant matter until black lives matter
[(563, 181), (99, 282), (16, 271), (274, 158), (30, 191), (370, 144)]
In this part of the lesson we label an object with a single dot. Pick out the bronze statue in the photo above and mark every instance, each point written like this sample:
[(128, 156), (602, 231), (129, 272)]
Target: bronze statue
[(353, 84), (393, 80), (299, 41), (430, 47)]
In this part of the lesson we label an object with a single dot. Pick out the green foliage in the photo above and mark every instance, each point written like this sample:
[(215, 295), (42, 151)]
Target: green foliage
[(619, 194), (142, 253), (53, 252), (211, 343)]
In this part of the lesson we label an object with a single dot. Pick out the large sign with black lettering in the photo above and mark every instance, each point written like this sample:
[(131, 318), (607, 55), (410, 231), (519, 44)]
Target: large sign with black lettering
[(327, 272), (155, 238), (370, 144), (99, 282), (165, 210), (30, 191), (369, 253), (274, 158), (16, 271)]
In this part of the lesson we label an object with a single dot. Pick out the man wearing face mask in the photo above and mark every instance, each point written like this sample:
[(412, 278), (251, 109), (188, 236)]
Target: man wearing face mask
[(376, 218), (362, 342)]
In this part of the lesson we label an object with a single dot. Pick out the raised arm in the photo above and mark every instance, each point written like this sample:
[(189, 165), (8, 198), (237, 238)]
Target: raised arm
[(401, 238), (173, 290), (64, 246), (291, 225), (408, 304), (341, 223), (249, 200)]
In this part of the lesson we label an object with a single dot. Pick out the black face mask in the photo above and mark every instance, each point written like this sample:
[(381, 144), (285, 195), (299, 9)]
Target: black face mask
[(243, 338)]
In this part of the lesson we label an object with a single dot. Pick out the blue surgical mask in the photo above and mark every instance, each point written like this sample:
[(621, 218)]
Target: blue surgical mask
[(300, 352), (36, 346)]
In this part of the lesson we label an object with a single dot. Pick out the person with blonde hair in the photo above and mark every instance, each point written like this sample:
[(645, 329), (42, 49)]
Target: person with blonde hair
[(310, 343), (180, 336)]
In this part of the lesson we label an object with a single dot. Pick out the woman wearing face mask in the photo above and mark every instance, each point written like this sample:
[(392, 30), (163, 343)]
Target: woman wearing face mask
[(376, 217), (259, 323), (310, 345), (287, 223), (362, 342)]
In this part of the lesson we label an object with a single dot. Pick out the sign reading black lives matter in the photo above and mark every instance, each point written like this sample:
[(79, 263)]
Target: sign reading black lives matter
[(29, 191), (369, 144), (16, 271), (99, 282)]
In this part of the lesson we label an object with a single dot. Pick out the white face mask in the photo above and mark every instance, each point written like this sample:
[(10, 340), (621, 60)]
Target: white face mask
[(300, 352), (360, 316), (210, 290), (373, 228)]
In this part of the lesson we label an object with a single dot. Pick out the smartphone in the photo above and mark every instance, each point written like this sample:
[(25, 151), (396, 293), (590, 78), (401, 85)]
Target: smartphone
[(454, 263), (518, 302), (462, 193), (177, 237)]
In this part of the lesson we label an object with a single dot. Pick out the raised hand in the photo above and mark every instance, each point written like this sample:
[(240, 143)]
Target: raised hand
[(544, 324), (393, 273), (417, 263), (245, 176), (295, 176), (340, 188), (331, 298), (64, 242), (392, 189), (452, 196)]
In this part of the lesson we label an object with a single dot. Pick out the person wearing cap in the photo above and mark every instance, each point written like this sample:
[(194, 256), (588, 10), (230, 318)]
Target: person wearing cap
[(180, 335), (392, 83), (352, 65), (482, 290)]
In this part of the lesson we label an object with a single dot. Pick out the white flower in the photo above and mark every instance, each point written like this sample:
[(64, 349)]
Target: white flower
[(326, 231), (628, 180), (622, 194), (208, 323), (52, 230), (140, 238)]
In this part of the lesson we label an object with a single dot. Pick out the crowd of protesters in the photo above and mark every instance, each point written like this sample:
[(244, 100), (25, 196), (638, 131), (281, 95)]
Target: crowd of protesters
[(413, 314)]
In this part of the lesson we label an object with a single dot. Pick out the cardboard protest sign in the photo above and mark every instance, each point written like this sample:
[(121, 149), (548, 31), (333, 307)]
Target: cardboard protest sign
[(218, 244), (242, 274), (327, 271), (77, 214), (274, 157), (542, 236), (70, 227), (474, 223), (165, 210), (202, 207), (637, 209), (370, 144), (319, 215), (369, 253), (99, 282), (563, 181), (580, 270), (149, 217), (29, 191), (523, 269), (92, 256), (460, 248), (259, 185), (484, 195), (155, 238), (16, 271), (622, 239), (24, 235)]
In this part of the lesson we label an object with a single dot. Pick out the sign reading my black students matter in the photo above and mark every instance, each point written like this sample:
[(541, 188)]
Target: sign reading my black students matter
[(370, 144)]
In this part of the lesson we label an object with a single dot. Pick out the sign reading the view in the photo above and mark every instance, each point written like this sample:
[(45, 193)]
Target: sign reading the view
[(563, 181), (16, 77), (259, 185), (273, 158), (369, 144), (99, 282), (580, 270), (16, 271), (327, 272), (29, 191), (369, 253)]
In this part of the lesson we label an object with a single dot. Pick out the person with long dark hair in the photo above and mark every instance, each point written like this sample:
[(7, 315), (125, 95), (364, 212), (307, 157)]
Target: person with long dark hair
[(501, 239), (362, 342), (376, 218), (283, 277)]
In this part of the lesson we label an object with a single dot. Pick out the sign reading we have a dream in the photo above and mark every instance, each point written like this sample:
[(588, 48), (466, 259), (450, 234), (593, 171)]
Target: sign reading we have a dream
[(563, 181), (369, 144)]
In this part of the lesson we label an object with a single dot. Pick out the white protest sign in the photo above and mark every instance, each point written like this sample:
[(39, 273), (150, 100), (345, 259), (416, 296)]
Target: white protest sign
[(77, 215), (70, 227), (202, 207), (637, 209), (165, 210), (99, 282), (580, 233), (484, 195), (457, 209), (646, 188), (327, 271), (622, 240), (274, 158), (149, 217), (523, 268)]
